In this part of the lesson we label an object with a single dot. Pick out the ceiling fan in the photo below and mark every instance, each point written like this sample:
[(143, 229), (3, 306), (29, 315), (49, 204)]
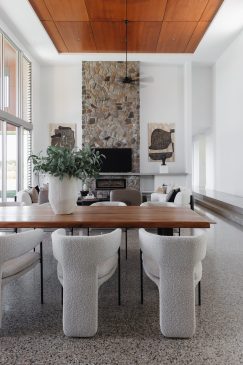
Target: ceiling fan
[(128, 79)]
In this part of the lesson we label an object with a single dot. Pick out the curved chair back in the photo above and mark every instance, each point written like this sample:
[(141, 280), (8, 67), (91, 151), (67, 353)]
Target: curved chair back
[(182, 199), (128, 196), (15, 245), (15, 256), (80, 258), (108, 204), (24, 197), (177, 259)]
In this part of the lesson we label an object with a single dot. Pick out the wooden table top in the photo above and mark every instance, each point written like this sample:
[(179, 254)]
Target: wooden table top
[(42, 216)]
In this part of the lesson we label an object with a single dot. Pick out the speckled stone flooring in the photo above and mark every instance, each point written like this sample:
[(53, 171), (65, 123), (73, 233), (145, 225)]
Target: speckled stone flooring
[(130, 334)]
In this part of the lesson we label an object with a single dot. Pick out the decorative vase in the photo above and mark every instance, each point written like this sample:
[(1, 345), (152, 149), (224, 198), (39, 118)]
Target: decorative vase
[(63, 194)]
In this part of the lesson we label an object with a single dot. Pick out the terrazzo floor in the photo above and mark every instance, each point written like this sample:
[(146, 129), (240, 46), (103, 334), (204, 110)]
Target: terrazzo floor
[(130, 334)]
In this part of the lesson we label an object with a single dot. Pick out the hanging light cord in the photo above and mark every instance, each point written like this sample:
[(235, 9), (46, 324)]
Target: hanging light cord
[(126, 24)]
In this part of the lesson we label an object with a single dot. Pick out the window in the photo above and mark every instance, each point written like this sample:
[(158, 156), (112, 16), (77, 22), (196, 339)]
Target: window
[(15, 119), (26, 90), (1, 160), (27, 166), (10, 80), (12, 162), (1, 70)]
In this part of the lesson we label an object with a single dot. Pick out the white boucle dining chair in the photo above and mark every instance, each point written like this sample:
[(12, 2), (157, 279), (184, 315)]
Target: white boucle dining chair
[(111, 204), (84, 264), (174, 264), (17, 257)]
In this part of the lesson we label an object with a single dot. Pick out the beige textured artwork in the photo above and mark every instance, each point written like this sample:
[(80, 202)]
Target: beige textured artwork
[(62, 135), (161, 142)]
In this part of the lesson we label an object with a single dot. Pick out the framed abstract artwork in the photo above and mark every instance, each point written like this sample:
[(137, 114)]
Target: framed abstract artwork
[(62, 135), (161, 142)]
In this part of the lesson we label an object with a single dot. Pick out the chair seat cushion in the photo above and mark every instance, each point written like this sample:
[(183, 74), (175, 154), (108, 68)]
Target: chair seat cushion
[(153, 269), (103, 269), (14, 266)]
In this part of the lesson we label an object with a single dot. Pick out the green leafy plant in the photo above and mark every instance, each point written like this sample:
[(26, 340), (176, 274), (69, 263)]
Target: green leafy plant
[(61, 161)]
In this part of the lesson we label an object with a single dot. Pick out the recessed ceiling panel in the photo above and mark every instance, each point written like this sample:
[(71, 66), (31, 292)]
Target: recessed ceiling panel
[(41, 10), (55, 36), (146, 10), (184, 10), (211, 9), (143, 36), (67, 10), (109, 36), (153, 25), (77, 36), (111, 10), (175, 36), (196, 37)]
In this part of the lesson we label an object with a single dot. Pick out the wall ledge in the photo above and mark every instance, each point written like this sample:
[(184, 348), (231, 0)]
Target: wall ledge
[(227, 205)]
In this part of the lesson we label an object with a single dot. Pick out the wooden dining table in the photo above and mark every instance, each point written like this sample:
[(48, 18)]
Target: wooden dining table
[(42, 216)]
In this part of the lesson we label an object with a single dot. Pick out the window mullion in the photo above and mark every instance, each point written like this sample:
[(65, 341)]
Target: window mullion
[(4, 161), (19, 159), (20, 85)]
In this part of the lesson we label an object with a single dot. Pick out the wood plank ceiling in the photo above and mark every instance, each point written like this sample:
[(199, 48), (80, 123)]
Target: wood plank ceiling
[(162, 26)]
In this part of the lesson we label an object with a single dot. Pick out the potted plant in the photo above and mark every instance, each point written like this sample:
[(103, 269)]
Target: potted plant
[(65, 167)]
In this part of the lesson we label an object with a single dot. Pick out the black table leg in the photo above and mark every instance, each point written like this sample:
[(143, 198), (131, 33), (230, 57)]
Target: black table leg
[(141, 276), (165, 231)]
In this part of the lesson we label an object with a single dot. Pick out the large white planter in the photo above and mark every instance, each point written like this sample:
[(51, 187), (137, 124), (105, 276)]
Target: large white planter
[(63, 194)]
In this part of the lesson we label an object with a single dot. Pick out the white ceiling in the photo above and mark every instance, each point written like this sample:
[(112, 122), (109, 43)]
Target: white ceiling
[(21, 20)]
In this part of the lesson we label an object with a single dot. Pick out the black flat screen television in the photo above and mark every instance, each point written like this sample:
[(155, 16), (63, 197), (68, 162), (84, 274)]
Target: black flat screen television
[(116, 159)]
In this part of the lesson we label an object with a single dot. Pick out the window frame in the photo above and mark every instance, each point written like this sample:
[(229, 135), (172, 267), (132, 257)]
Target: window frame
[(17, 120)]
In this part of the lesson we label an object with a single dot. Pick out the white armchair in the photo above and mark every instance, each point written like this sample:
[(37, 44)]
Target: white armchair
[(174, 264), (16, 257), (23, 197), (182, 198), (84, 264)]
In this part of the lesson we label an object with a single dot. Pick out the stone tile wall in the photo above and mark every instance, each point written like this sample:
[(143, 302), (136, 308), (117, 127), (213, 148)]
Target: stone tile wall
[(110, 109)]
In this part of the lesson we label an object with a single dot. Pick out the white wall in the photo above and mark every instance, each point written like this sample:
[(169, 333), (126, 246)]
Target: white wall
[(60, 101), (162, 101), (202, 98), (203, 126), (229, 119)]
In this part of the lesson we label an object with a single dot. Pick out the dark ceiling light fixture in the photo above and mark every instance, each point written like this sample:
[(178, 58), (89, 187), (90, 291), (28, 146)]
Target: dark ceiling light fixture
[(128, 79)]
